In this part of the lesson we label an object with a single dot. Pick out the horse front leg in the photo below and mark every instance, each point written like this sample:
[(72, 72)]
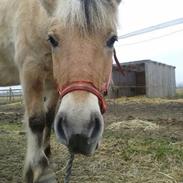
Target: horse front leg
[(36, 160), (51, 99)]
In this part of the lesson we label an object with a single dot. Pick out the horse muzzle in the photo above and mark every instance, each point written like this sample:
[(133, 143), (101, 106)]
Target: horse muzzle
[(79, 125)]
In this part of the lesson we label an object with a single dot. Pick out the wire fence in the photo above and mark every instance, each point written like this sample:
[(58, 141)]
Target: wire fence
[(10, 95), (132, 90)]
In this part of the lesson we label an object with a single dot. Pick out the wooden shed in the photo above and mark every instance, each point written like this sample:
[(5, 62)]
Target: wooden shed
[(145, 77)]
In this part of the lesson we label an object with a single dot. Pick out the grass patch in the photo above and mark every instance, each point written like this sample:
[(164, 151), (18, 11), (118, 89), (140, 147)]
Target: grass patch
[(159, 148), (179, 93), (10, 126)]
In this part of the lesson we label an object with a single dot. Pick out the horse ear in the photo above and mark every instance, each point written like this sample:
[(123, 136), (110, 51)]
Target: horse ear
[(118, 1), (49, 6), (115, 2)]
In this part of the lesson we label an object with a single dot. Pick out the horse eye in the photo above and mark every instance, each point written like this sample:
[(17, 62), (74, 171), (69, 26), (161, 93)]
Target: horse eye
[(52, 41), (111, 41)]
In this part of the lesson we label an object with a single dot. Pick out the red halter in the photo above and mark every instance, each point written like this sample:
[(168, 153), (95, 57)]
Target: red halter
[(88, 86)]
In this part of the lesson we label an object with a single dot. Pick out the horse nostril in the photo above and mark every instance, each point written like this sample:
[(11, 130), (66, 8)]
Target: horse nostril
[(60, 129), (96, 122)]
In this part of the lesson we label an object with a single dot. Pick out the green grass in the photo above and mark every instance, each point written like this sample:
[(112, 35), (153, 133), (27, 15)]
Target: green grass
[(179, 93), (160, 148), (13, 127)]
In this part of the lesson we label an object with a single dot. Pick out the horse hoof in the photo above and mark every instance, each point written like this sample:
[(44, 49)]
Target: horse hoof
[(48, 177)]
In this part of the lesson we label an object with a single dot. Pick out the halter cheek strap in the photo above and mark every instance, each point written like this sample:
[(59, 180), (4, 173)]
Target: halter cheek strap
[(85, 86)]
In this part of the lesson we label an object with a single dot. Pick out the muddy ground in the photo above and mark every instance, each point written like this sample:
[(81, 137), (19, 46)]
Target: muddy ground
[(142, 143)]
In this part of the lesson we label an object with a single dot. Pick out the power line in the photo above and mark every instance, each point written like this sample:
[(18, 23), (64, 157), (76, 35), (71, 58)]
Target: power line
[(153, 38), (152, 28)]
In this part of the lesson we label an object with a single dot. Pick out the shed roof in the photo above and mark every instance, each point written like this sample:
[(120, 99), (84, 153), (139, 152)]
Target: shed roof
[(143, 62)]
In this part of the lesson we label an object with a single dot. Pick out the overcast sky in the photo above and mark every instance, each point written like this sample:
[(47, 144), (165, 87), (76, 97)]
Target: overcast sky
[(138, 14)]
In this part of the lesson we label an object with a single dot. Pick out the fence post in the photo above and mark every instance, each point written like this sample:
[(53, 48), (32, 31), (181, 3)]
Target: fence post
[(10, 93)]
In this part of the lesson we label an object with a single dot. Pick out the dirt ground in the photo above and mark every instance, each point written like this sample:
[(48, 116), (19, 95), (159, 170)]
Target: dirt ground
[(142, 143)]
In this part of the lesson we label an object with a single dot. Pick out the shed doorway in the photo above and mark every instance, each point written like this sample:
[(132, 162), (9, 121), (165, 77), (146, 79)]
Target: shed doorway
[(140, 83)]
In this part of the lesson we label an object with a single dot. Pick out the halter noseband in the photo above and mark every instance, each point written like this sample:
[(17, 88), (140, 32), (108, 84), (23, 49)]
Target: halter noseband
[(85, 86), (88, 86)]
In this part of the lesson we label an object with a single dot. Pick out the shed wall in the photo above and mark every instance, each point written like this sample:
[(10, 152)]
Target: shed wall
[(160, 80), (124, 84)]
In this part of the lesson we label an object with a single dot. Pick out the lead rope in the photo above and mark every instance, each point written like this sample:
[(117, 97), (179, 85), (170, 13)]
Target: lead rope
[(118, 63), (69, 168)]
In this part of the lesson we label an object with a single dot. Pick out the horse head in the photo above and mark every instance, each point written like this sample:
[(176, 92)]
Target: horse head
[(81, 36)]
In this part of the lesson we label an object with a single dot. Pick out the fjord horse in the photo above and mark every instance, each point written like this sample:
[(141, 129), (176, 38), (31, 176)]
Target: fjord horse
[(61, 50)]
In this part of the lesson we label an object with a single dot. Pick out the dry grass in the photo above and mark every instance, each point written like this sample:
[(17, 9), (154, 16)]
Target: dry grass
[(145, 100), (133, 124), (6, 100)]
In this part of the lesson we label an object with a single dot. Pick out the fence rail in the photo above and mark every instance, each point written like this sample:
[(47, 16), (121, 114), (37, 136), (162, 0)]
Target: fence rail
[(10, 95)]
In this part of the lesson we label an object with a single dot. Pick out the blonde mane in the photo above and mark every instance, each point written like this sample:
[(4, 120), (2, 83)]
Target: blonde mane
[(88, 15)]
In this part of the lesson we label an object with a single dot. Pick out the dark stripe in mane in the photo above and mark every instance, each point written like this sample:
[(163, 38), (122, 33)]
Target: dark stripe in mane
[(89, 16), (86, 9), (87, 5)]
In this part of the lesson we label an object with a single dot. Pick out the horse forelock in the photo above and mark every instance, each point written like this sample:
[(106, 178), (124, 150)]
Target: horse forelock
[(88, 15)]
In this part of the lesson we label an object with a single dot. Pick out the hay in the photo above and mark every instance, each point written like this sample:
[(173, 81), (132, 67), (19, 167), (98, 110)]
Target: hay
[(133, 124)]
